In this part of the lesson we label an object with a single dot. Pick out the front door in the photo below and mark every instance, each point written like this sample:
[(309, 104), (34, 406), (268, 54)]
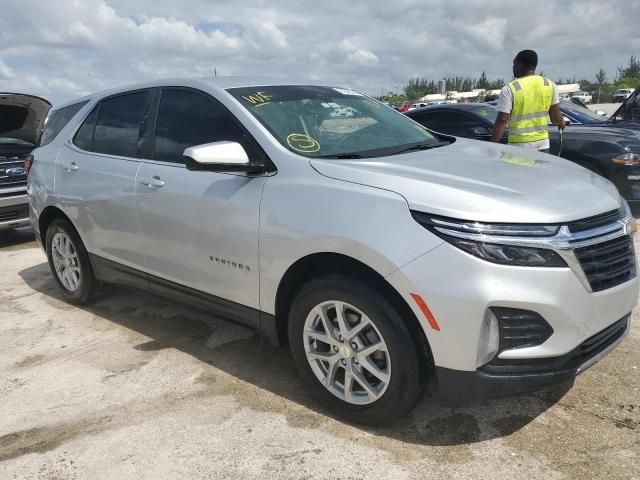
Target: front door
[(200, 228)]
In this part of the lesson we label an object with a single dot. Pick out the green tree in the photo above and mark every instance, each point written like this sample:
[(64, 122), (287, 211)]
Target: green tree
[(601, 79), (629, 76), (483, 82)]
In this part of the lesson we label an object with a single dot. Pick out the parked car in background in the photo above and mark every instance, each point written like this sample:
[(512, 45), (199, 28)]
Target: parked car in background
[(627, 116), (390, 259), (622, 94), (629, 112), (584, 97), (610, 150), (413, 106), (21, 120), (577, 114), (403, 107)]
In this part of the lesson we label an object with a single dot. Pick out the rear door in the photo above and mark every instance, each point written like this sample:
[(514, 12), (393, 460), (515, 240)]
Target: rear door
[(200, 228), (95, 177)]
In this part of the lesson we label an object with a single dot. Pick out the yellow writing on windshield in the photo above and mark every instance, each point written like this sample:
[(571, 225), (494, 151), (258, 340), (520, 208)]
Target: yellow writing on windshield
[(302, 143), (258, 98)]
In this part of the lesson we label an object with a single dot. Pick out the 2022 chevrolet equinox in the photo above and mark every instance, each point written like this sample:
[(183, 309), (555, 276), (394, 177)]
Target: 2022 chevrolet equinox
[(392, 260)]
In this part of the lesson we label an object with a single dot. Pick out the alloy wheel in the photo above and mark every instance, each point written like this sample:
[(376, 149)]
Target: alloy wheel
[(66, 261), (346, 352)]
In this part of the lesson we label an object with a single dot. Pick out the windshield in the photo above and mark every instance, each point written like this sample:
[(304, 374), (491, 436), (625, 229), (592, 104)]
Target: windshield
[(584, 115), (331, 122), (487, 111)]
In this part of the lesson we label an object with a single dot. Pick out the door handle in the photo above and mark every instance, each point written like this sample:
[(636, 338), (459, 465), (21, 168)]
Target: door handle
[(153, 182), (70, 167)]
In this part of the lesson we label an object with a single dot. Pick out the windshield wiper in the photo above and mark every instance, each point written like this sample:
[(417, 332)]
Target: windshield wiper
[(421, 146), (345, 156)]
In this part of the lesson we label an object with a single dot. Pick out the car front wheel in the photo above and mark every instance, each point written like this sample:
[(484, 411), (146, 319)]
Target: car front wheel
[(354, 351)]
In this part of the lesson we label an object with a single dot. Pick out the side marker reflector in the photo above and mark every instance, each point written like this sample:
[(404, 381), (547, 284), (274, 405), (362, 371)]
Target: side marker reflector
[(425, 310)]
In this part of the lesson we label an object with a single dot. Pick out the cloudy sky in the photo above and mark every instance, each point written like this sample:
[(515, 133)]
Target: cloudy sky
[(61, 49)]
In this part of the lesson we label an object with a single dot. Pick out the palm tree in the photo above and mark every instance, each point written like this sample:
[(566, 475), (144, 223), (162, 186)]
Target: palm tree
[(601, 79)]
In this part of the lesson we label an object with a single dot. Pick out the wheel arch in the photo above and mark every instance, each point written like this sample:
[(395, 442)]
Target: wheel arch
[(325, 263), (47, 216)]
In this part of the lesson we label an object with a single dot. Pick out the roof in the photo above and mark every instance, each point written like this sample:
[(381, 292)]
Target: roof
[(220, 83)]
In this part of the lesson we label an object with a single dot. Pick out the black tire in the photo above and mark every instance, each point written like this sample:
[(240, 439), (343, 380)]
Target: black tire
[(404, 386), (88, 284)]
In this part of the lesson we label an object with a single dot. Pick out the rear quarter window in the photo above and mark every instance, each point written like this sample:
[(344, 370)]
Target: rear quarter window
[(57, 119)]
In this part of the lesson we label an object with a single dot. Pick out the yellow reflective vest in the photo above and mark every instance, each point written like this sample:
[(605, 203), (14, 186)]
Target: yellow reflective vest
[(532, 96)]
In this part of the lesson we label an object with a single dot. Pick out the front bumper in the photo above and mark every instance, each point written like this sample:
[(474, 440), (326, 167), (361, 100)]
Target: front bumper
[(459, 288), (503, 378), (14, 212)]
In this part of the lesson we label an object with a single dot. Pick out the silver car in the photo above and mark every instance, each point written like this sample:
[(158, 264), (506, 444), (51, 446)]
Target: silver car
[(392, 260)]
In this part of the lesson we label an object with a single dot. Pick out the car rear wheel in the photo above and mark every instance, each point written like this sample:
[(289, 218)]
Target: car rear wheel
[(69, 262), (354, 351)]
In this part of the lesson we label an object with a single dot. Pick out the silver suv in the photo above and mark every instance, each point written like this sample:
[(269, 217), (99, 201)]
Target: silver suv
[(392, 260)]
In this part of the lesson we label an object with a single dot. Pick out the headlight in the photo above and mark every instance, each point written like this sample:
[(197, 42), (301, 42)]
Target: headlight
[(508, 254), (628, 159), (469, 237)]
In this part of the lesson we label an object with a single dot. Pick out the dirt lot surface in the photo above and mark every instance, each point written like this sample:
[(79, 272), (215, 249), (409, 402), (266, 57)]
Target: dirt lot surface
[(134, 387)]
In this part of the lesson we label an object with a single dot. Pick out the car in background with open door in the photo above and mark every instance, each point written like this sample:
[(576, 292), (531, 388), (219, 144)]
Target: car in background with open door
[(21, 120), (629, 111), (610, 149)]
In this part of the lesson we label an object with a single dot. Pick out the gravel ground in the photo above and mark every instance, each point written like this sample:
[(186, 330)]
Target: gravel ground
[(135, 387)]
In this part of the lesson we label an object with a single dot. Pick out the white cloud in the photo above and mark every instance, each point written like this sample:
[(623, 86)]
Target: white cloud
[(5, 72), (61, 48), (363, 57)]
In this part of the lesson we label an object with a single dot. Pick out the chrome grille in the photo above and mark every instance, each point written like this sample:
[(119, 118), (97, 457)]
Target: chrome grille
[(8, 164), (609, 263)]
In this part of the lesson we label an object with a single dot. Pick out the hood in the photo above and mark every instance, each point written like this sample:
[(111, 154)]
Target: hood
[(601, 130), (472, 180), (594, 140), (22, 116), (629, 110)]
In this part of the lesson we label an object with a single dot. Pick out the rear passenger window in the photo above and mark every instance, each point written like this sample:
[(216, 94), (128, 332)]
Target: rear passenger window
[(119, 123), (187, 118), (57, 119)]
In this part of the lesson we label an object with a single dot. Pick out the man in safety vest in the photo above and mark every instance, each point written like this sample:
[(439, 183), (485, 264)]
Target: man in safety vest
[(525, 104)]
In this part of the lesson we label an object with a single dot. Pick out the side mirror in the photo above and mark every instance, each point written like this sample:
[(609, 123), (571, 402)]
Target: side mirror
[(220, 157), (481, 131)]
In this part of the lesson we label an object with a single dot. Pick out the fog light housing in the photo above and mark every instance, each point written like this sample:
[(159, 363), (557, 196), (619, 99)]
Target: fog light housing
[(489, 339), (521, 328)]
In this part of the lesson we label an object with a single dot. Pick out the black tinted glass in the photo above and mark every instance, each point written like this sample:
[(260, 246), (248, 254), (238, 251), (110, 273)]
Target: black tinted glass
[(119, 123), (186, 119), (57, 119), (84, 137), (445, 121)]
